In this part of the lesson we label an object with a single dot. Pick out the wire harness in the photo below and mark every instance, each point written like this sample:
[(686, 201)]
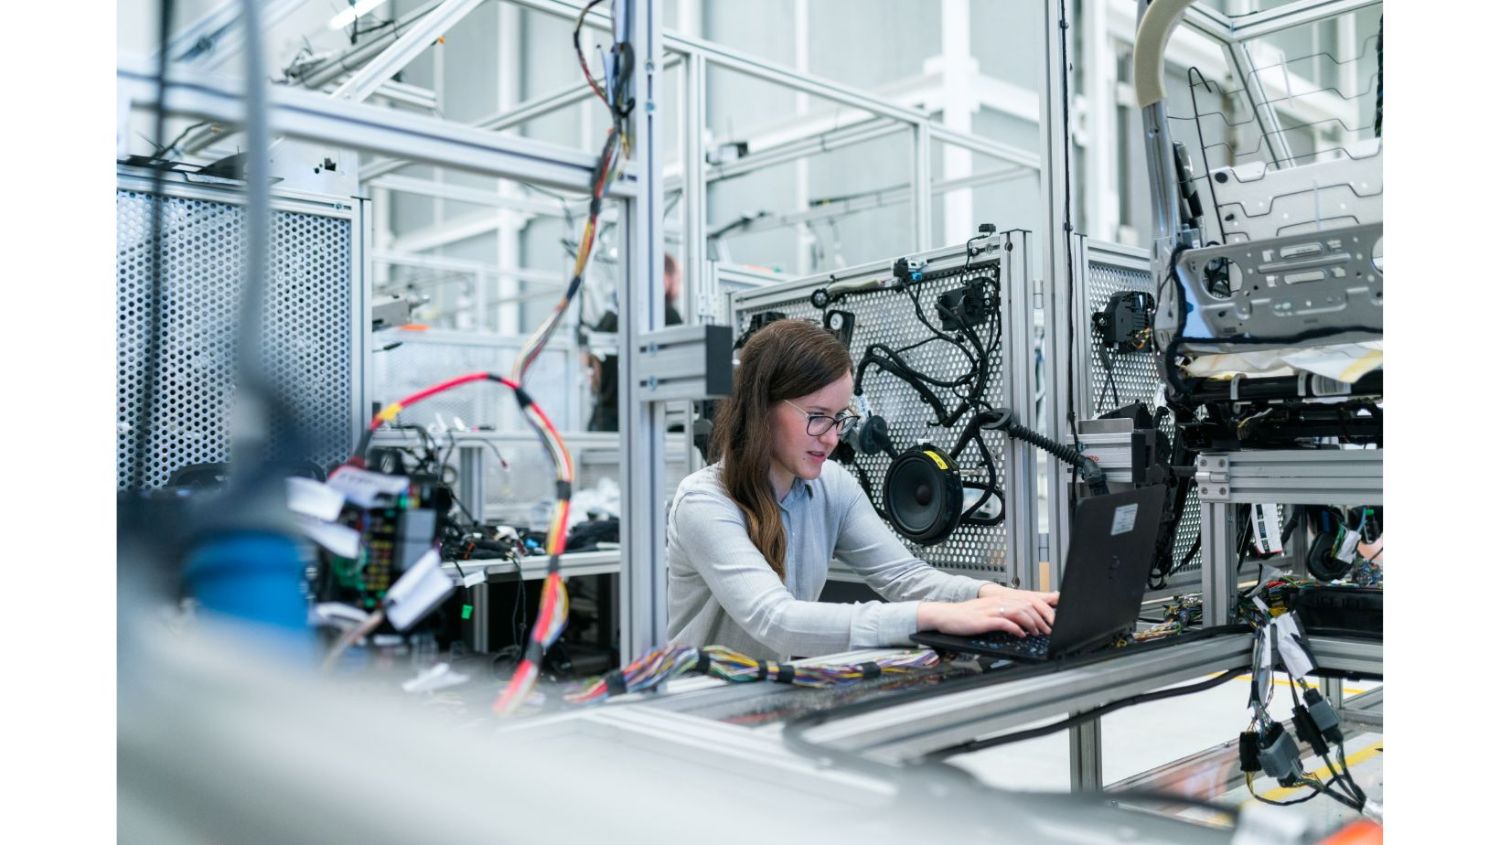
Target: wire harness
[(653, 668)]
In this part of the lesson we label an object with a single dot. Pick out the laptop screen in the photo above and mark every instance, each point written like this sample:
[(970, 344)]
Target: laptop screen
[(1110, 548)]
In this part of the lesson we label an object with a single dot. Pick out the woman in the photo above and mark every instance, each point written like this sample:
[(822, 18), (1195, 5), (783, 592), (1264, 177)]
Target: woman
[(749, 538)]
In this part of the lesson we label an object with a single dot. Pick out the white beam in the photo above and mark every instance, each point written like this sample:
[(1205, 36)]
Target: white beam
[(1300, 13), (957, 69), (895, 195), (472, 196), (478, 269), (406, 48), (218, 36), (1101, 207), (317, 117)]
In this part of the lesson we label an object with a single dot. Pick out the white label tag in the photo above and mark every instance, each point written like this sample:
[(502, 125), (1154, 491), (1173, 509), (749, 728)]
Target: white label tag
[(1261, 683), (1289, 645), (363, 487), (473, 579), (1124, 521), (313, 498), (1347, 547), (1267, 522), (417, 591), (436, 678), (339, 539)]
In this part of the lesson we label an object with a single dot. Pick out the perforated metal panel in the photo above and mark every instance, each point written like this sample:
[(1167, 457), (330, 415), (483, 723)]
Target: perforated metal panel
[(1136, 377), (307, 337), (888, 317)]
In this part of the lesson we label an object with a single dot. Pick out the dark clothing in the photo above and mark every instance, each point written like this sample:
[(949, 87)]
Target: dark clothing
[(606, 415)]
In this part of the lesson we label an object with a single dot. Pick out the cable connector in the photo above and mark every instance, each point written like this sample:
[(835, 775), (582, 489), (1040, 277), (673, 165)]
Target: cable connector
[(1249, 752), (1279, 757), (1323, 716), (1307, 730)]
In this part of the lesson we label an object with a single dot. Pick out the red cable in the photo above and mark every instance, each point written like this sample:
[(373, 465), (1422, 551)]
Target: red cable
[(445, 386)]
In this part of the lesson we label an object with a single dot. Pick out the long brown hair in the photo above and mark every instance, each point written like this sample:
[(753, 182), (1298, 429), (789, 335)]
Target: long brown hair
[(784, 360)]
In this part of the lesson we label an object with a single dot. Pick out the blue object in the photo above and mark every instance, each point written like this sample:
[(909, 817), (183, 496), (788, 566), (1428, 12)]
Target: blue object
[(253, 576)]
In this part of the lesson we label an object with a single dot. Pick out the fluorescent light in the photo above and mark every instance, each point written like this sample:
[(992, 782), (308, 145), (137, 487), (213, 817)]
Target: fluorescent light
[(346, 17)]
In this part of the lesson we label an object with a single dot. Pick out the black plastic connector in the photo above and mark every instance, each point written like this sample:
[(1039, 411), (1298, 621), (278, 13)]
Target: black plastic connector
[(1249, 752), (1323, 716), (1307, 730)]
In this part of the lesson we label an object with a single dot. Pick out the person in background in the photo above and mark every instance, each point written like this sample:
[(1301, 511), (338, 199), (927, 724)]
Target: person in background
[(604, 375)]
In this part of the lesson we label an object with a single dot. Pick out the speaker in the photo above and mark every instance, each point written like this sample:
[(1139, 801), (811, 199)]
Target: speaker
[(923, 494), (1321, 562)]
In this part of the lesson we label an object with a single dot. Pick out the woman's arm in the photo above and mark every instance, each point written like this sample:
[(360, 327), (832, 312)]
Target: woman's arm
[(711, 534), (869, 547)]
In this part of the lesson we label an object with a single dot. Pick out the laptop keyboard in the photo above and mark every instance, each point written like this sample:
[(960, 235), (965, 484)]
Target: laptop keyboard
[(1035, 645)]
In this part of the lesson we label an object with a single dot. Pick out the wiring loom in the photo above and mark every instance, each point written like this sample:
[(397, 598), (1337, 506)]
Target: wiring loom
[(553, 615), (655, 667)]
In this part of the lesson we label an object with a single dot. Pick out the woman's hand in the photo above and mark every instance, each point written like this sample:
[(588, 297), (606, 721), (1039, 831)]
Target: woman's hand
[(985, 614), (1034, 610)]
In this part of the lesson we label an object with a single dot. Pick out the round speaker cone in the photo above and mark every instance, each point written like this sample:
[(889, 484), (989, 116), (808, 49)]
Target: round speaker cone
[(1321, 564), (924, 494)]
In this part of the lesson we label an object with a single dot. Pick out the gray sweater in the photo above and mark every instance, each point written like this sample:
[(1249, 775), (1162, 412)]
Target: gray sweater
[(721, 590)]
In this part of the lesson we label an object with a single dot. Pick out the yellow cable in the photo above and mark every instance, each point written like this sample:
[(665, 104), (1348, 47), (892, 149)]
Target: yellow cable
[(1325, 773)]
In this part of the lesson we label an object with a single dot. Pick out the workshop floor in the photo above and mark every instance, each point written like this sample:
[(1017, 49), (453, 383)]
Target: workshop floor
[(1151, 736)]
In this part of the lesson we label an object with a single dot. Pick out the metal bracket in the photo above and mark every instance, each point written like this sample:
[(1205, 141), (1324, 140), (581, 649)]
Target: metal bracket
[(1309, 476), (1213, 478), (1323, 477), (1327, 280), (685, 362)]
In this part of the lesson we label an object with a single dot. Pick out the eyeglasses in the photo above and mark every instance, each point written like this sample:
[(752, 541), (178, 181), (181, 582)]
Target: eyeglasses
[(819, 424)]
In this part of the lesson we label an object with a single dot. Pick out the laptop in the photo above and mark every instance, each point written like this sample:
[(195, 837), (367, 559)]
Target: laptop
[(1109, 557)]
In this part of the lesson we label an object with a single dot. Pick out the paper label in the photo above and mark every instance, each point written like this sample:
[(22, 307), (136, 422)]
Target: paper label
[(937, 459), (1348, 547), (338, 539), (1260, 681), (1124, 521), (364, 488), (1267, 522), (417, 591), (314, 499), (1267, 665), (1291, 646)]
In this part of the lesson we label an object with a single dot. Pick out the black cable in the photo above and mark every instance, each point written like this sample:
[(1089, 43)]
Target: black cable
[(1191, 552), (1203, 146), (1106, 357), (992, 489), (1344, 779), (1380, 77), (1087, 715), (1067, 209), (937, 333), (1303, 800)]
